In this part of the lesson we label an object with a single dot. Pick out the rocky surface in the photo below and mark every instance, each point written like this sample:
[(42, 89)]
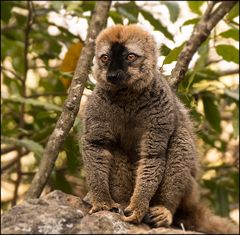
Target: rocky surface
[(60, 213)]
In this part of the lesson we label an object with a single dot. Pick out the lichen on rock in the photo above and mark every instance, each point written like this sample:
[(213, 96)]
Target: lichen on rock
[(61, 213)]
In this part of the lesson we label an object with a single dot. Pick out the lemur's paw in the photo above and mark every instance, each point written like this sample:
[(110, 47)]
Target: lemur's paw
[(158, 216), (100, 206), (134, 214)]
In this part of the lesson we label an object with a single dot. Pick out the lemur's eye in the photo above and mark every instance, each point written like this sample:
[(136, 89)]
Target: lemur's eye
[(104, 58), (131, 57)]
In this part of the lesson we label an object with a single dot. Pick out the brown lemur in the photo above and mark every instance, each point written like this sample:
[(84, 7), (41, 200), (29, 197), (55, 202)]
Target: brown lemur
[(138, 142)]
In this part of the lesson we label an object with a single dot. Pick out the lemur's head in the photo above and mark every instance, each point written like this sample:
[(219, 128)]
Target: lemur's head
[(126, 56)]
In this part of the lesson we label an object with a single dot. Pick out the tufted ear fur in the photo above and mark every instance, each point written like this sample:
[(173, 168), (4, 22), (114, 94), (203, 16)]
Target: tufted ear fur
[(130, 35)]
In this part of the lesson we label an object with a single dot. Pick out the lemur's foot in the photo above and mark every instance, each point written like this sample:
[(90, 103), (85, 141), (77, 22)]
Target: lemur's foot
[(158, 216), (134, 214), (100, 206)]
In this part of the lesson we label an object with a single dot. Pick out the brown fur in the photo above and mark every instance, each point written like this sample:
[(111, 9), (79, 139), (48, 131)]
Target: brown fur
[(138, 143)]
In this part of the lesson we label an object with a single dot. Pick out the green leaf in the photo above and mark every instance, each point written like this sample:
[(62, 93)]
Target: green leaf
[(231, 33), (211, 112), (235, 122), (89, 85), (208, 139), (222, 205), (116, 17), (173, 9), (203, 55), (210, 184), (228, 52), (67, 75), (72, 150), (34, 102), (201, 62), (32, 146), (156, 24), (88, 5), (129, 10), (164, 50), (73, 6), (60, 182), (195, 6), (173, 55), (235, 177), (21, 19), (13, 49), (234, 12), (28, 144), (57, 5), (203, 74), (6, 7), (191, 21), (44, 131)]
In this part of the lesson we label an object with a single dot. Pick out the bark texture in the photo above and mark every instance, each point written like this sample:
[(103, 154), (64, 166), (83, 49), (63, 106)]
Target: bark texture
[(71, 106)]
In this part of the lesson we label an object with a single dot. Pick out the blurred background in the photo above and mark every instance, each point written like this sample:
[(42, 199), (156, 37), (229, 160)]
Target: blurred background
[(40, 45)]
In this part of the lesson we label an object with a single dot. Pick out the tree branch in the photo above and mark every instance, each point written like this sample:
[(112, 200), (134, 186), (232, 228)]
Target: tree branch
[(22, 107), (199, 35), (13, 73), (228, 72), (213, 61), (47, 94), (71, 106), (6, 165), (8, 149)]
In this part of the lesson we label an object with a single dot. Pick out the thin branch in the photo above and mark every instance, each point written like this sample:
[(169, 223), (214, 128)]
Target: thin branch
[(22, 107), (207, 168), (28, 173), (47, 94), (228, 72), (13, 73), (213, 62), (7, 28), (8, 149), (71, 105), (9, 164), (26, 40), (19, 177), (209, 9), (6, 165), (200, 33)]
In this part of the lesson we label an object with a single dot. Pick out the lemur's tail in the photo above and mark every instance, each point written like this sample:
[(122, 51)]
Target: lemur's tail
[(200, 218)]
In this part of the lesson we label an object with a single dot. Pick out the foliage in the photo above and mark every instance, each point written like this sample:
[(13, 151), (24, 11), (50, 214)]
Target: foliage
[(33, 92)]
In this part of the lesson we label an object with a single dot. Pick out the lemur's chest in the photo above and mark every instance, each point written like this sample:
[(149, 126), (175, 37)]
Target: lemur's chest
[(130, 119), (128, 130)]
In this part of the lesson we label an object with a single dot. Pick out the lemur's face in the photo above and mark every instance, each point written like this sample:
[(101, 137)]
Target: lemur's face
[(124, 62), (120, 63)]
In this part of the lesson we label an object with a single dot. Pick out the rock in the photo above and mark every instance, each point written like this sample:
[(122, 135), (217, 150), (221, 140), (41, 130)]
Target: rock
[(60, 213)]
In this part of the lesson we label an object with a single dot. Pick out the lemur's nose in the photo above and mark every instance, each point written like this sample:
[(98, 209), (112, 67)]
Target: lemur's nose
[(114, 76)]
